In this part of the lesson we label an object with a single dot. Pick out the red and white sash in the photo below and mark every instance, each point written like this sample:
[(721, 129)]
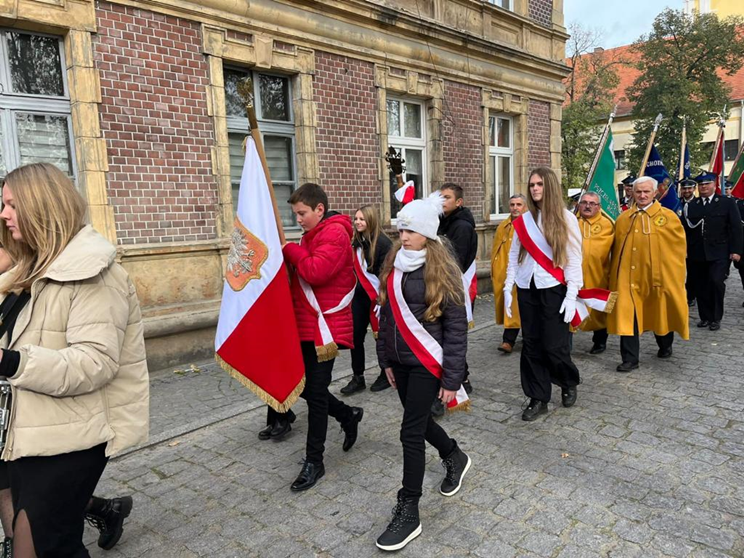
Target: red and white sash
[(325, 346), (470, 284), (420, 341), (533, 240), (371, 285)]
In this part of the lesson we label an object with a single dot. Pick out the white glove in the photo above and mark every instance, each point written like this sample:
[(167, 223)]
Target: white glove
[(568, 308), (508, 302)]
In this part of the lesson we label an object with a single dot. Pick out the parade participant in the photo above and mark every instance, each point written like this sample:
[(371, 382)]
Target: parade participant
[(647, 272), (627, 201), (597, 236), (73, 351), (458, 226), (546, 305), (371, 246), (714, 239), (502, 241), (323, 285), (687, 195), (422, 347)]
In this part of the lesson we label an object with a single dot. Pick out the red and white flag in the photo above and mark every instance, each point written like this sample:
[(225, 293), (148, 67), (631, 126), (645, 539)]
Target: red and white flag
[(420, 341), (257, 341), (406, 193), (470, 284), (717, 162), (371, 285)]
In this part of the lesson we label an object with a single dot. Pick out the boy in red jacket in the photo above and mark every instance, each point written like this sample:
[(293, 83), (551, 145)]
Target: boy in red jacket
[(323, 285)]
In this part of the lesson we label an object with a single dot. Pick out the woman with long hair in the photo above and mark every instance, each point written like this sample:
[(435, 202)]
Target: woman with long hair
[(73, 352), (547, 246), (421, 346), (371, 246)]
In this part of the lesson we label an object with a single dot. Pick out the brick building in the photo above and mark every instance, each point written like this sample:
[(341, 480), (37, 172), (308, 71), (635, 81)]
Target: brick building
[(139, 102)]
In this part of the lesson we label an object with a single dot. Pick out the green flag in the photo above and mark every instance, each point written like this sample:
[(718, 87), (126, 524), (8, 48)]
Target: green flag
[(736, 176), (603, 180)]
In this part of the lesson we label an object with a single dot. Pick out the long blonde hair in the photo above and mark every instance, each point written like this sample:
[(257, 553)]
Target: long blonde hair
[(554, 225), (442, 278), (370, 234), (49, 213)]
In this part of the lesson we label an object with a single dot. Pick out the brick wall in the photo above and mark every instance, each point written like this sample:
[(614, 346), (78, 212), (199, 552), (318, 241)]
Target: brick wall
[(154, 119), (463, 146), (542, 12), (346, 138), (538, 134)]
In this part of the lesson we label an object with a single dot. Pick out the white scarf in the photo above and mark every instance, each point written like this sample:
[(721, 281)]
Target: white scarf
[(409, 260)]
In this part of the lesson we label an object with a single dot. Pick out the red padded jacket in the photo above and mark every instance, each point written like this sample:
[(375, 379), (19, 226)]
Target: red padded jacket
[(324, 260)]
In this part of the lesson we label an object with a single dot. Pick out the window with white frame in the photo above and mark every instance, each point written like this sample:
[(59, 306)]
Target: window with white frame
[(506, 4), (501, 154), (406, 127), (35, 123), (273, 103)]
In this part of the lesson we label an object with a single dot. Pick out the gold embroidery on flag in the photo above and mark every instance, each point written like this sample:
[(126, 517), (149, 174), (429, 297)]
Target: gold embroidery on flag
[(244, 259)]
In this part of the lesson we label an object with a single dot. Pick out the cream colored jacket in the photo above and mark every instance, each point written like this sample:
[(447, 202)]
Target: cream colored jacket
[(82, 378)]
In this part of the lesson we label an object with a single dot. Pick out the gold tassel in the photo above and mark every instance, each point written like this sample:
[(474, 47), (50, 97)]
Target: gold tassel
[(464, 407), (281, 407), (471, 324), (611, 303), (374, 334), (327, 352)]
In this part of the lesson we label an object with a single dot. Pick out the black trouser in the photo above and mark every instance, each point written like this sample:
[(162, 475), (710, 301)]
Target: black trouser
[(599, 337), (546, 354), (417, 389), (709, 285), (630, 345), (360, 307), (689, 285), (510, 335)]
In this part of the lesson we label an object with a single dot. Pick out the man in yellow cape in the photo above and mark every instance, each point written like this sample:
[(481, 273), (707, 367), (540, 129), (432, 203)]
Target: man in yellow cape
[(597, 237), (648, 274), (499, 262)]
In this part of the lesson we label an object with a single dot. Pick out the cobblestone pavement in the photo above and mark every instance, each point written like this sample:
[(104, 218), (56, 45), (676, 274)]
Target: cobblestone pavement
[(646, 464)]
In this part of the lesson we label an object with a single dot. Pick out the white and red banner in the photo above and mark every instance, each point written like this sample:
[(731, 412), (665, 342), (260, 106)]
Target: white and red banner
[(325, 346), (371, 285), (257, 341), (533, 240), (470, 284), (406, 193), (420, 341)]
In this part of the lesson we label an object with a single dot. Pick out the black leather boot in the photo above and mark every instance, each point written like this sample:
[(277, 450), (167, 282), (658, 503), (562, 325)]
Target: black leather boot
[(109, 520), (356, 384)]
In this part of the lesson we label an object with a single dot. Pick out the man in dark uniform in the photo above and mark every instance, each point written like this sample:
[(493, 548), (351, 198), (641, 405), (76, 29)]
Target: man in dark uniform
[(714, 238), (686, 196), (627, 200)]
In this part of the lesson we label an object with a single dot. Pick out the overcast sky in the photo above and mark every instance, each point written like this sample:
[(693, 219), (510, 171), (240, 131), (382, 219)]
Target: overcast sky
[(622, 22)]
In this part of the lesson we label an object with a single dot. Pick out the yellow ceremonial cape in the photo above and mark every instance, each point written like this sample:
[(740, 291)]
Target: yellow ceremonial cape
[(499, 262), (648, 273), (597, 236)]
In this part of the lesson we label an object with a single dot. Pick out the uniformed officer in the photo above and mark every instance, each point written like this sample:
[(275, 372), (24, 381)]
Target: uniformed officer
[(714, 238), (627, 201), (687, 195)]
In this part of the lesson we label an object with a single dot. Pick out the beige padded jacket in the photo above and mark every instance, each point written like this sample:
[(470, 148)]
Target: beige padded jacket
[(82, 378)]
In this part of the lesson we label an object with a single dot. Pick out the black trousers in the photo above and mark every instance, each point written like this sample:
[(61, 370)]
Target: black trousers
[(630, 345), (599, 337), (689, 285), (417, 389), (510, 335), (360, 306), (546, 354), (709, 285)]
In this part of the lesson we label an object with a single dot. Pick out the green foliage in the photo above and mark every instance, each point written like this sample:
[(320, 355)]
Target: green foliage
[(681, 63)]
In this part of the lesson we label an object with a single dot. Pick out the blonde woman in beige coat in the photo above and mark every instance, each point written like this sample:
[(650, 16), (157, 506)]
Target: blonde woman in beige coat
[(72, 348)]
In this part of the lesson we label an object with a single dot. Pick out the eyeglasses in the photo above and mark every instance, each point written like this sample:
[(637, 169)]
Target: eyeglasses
[(589, 204)]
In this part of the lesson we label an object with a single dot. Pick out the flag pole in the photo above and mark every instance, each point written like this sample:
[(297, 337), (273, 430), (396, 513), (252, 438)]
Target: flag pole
[(642, 170), (681, 173), (598, 154)]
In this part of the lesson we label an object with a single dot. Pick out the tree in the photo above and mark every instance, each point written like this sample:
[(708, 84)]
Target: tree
[(588, 103), (682, 62)]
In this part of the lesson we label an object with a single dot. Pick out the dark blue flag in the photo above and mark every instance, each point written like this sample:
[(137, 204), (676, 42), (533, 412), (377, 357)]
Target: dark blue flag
[(655, 168), (686, 165)]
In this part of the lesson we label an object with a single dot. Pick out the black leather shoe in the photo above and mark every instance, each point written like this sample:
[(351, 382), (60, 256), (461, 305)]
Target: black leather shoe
[(265, 434), (714, 326), (664, 353), (627, 366), (703, 323), (110, 521), (310, 474), (568, 396), (282, 426), (597, 349), (351, 427), (380, 383), (356, 384), (534, 410)]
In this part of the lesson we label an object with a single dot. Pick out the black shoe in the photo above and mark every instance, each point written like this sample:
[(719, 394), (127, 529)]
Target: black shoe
[(110, 520), (310, 474), (265, 434), (380, 383), (404, 527), (714, 326), (627, 366), (456, 464), (664, 353), (280, 429), (568, 396), (467, 386), (351, 427), (598, 348), (437, 408), (356, 384), (534, 409), (703, 323)]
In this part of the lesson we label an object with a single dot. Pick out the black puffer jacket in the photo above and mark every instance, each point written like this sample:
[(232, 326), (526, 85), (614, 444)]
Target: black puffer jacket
[(450, 331), (459, 228), (383, 247)]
